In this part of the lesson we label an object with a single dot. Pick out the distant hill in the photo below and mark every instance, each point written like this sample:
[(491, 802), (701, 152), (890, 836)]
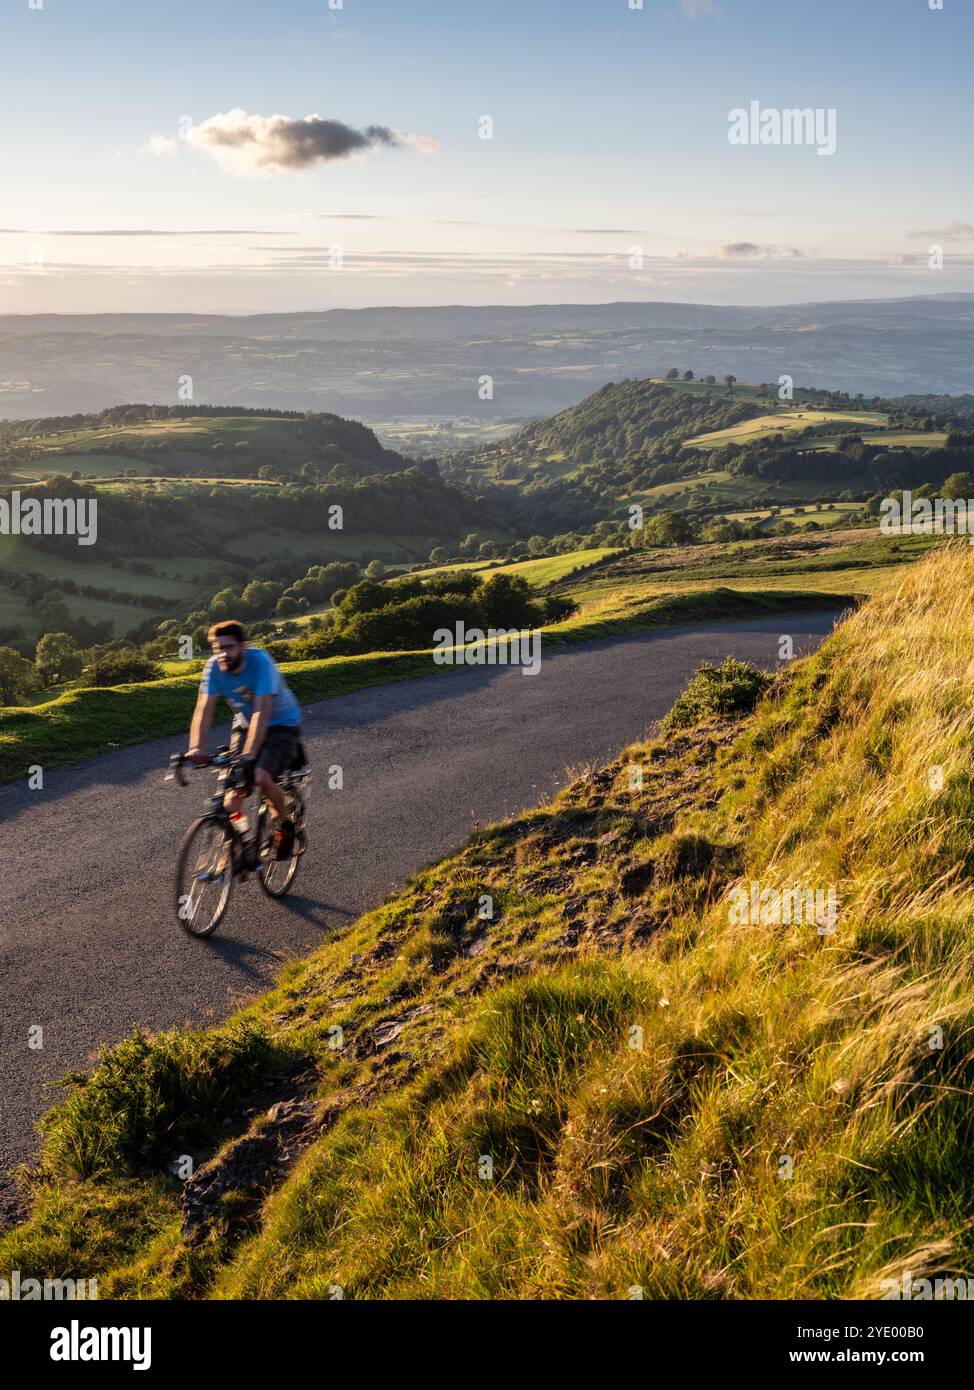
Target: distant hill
[(672, 444), (376, 364), (625, 419), (231, 441)]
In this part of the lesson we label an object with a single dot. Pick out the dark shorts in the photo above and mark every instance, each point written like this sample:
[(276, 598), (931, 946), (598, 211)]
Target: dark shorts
[(278, 751)]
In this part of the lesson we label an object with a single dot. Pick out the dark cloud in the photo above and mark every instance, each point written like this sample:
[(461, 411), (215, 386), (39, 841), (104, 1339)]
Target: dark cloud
[(251, 144), (743, 250)]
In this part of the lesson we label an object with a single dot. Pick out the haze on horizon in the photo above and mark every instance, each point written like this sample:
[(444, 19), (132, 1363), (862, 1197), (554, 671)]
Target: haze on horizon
[(247, 158)]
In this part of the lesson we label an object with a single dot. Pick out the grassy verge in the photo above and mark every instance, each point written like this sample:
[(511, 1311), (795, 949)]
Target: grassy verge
[(561, 1063), (84, 722)]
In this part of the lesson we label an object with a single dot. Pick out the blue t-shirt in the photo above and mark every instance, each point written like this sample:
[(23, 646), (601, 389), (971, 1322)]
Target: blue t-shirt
[(259, 675)]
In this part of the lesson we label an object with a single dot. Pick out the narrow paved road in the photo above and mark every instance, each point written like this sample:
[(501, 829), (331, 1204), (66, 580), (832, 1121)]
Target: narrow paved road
[(88, 944)]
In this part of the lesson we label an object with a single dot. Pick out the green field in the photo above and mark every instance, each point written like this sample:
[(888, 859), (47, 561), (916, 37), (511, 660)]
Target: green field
[(538, 573), (123, 617), (18, 554), (830, 511), (88, 465), (784, 422), (728, 491), (277, 434), (886, 439)]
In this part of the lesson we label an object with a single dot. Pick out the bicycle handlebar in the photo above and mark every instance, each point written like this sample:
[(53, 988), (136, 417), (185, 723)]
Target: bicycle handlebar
[(180, 761)]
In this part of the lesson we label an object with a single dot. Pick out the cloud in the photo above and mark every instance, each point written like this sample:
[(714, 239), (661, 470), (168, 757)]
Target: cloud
[(136, 231), (955, 231), (161, 144), (742, 250), (473, 222), (693, 9), (257, 145)]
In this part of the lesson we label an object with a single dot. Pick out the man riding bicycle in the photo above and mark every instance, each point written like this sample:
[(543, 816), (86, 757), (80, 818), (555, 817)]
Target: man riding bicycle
[(266, 725)]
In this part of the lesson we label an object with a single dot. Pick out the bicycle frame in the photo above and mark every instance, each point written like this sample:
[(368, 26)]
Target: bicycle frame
[(246, 848)]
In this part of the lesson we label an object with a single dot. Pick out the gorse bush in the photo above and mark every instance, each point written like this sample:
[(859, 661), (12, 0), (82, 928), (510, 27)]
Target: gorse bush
[(121, 668), (734, 687)]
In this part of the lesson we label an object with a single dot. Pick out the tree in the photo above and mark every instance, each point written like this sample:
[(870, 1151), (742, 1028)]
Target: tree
[(669, 528), (375, 569), (57, 658), (259, 597), (673, 374), (17, 676), (505, 600), (730, 382), (710, 380), (688, 375), (224, 604), (958, 485), (439, 555)]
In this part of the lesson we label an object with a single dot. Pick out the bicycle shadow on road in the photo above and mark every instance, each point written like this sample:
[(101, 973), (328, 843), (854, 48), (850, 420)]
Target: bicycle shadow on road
[(251, 958)]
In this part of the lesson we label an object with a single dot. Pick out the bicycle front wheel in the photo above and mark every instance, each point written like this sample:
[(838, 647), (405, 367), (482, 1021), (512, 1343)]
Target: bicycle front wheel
[(204, 876)]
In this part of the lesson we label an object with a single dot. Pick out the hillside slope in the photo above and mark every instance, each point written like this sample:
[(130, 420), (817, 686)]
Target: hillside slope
[(567, 1063)]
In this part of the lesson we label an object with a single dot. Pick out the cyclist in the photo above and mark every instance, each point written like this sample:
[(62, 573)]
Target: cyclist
[(266, 724)]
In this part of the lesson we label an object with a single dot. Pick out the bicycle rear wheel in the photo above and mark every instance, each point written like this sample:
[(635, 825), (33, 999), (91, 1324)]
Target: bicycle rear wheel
[(277, 875), (204, 876)]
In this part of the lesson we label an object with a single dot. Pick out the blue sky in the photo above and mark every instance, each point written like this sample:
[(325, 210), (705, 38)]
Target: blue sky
[(609, 174)]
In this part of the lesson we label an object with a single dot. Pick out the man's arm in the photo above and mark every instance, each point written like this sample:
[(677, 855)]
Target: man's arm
[(257, 727), (199, 731)]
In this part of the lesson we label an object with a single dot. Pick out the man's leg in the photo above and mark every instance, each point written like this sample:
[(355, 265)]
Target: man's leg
[(273, 793), (234, 800)]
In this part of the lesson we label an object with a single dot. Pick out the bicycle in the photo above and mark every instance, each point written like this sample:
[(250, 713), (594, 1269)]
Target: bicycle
[(214, 853)]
